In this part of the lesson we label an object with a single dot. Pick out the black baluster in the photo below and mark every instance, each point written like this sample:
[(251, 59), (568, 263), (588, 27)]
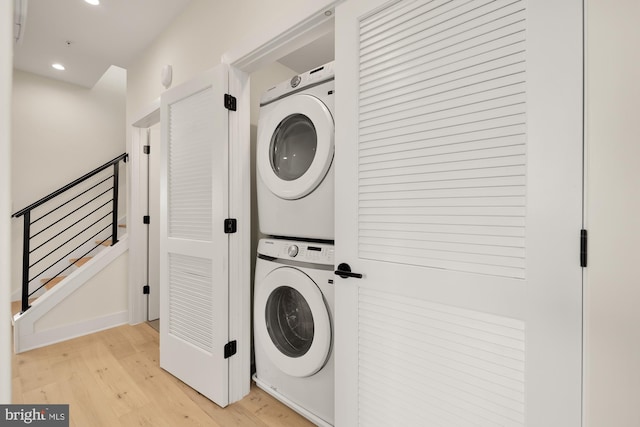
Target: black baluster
[(26, 238), (114, 225)]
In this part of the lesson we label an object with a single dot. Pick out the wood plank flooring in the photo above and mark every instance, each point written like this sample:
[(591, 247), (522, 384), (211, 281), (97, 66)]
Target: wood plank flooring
[(113, 378)]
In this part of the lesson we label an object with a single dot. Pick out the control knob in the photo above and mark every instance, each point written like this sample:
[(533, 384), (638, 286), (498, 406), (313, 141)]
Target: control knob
[(293, 251)]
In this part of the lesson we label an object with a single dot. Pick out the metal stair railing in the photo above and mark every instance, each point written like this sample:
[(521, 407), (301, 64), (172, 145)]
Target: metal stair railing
[(78, 211)]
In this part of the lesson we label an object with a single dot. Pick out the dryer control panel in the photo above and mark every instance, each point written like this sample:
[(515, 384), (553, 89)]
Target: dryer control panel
[(299, 82), (318, 253)]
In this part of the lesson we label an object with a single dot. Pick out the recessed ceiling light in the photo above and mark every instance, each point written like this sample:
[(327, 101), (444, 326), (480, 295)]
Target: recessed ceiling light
[(93, 2), (58, 66)]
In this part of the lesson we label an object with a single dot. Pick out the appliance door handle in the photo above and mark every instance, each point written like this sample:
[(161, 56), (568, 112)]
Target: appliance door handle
[(344, 271)]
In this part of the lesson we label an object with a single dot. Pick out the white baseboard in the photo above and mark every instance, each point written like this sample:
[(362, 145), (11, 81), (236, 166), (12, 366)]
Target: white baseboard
[(67, 332)]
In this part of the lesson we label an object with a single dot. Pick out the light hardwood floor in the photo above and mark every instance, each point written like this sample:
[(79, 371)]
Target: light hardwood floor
[(112, 378)]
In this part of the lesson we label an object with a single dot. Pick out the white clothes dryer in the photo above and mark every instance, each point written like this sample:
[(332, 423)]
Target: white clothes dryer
[(292, 319), (294, 157)]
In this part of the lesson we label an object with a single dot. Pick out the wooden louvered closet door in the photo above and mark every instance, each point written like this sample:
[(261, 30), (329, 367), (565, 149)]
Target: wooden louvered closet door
[(194, 259), (459, 158)]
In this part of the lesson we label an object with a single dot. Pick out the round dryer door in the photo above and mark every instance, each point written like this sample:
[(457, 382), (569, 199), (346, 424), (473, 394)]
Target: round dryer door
[(295, 146), (292, 322)]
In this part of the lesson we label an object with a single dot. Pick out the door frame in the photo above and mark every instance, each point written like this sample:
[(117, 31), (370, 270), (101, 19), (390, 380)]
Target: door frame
[(299, 28), (135, 209), (6, 73)]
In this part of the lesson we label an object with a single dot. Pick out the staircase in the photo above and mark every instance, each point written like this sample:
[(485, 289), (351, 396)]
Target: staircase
[(49, 283), (75, 263), (71, 239)]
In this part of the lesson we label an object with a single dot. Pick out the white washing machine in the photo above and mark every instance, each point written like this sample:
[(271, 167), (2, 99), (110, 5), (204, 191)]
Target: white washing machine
[(294, 157), (292, 319)]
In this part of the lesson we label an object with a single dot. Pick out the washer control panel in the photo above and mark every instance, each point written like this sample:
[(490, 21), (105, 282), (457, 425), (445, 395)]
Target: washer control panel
[(319, 253)]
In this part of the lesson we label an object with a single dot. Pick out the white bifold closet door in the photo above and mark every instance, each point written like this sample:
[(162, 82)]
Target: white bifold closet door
[(459, 163), (194, 282)]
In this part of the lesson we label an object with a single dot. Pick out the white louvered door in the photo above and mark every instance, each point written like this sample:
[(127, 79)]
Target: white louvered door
[(459, 199), (193, 245)]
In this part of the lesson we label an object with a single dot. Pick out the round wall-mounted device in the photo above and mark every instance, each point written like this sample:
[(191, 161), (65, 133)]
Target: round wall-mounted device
[(166, 76)]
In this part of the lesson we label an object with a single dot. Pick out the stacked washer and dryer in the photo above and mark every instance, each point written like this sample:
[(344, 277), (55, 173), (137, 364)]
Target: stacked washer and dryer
[(293, 294)]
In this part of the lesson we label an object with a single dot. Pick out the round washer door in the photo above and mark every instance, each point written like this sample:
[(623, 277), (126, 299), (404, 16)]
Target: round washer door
[(292, 322), (295, 146)]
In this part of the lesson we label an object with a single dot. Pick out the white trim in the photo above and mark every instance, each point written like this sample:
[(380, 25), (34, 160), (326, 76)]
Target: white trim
[(6, 63), (67, 332), (149, 116), (298, 29), (25, 337), (240, 242), (136, 229)]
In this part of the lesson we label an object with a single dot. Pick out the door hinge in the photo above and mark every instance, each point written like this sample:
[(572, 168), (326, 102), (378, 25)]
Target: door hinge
[(230, 225), (230, 349), (583, 248), (146, 290), (146, 149), (229, 102), (146, 219)]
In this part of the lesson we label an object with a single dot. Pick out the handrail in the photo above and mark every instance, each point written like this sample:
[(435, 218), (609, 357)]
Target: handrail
[(62, 235), (70, 185)]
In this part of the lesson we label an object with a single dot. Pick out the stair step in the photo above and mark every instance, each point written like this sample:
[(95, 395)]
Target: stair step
[(122, 225), (79, 262), (105, 243), (52, 282)]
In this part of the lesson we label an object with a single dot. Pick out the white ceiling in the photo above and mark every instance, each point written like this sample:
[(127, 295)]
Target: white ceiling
[(112, 33), (87, 39)]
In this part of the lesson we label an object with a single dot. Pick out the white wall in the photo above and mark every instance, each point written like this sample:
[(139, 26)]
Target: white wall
[(6, 57), (195, 42), (612, 289), (60, 132)]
